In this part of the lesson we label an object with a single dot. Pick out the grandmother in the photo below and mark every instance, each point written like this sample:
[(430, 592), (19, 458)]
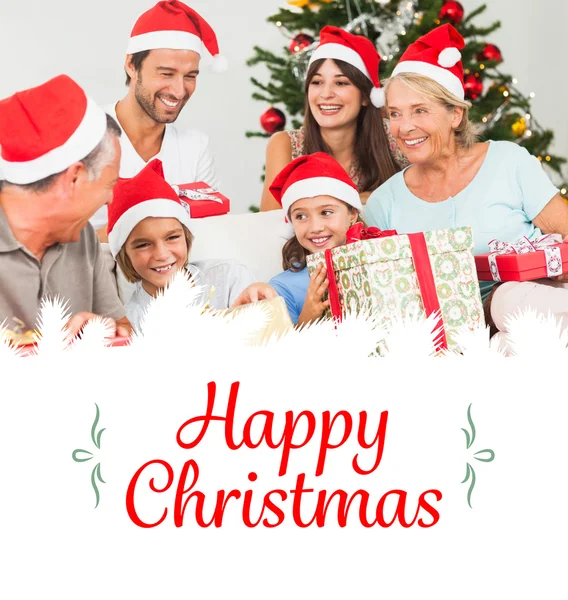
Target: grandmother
[(496, 188)]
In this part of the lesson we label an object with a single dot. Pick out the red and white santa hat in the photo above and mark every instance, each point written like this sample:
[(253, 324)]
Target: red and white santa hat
[(45, 129), (436, 55), (145, 195), (317, 174), (356, 50), (174, 25)]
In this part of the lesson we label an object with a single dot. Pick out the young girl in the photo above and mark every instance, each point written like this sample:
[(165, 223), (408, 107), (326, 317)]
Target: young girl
[(322, 203), (149, 236), (342, 116)]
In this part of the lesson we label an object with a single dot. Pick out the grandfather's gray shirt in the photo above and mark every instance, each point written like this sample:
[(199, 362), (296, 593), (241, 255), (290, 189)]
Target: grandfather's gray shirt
[(75, 272)]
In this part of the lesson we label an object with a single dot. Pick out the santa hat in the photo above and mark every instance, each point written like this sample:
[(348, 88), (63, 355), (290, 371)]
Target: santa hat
[(145, 195), (436, 55), (172, 24), (356, 50), (44, 130), (313, 175)]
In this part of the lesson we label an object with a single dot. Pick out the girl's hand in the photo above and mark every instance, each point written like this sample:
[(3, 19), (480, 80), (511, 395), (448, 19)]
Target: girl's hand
[(314, 306)]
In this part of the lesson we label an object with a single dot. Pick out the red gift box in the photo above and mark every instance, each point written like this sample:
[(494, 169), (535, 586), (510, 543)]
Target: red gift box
[(201, 200), (523, 260)]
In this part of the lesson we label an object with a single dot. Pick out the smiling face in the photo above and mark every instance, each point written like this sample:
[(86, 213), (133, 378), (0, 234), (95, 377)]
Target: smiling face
[(157, 248), (333, 99), (321, 222), (423, 128), (165, 82)]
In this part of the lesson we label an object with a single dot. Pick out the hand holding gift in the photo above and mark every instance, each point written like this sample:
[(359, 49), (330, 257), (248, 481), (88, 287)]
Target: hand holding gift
[(315, 305)]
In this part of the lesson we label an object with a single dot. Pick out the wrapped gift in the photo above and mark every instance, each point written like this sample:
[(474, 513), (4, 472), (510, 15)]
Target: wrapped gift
[(201, 200), (278, 322), (523, 260), (399, 276)]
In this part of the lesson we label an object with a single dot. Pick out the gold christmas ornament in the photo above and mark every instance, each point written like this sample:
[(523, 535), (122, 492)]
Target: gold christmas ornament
[(310, 5), (519, 127)]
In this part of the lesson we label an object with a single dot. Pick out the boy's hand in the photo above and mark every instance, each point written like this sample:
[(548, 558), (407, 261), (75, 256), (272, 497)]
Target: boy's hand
[(254, 293)]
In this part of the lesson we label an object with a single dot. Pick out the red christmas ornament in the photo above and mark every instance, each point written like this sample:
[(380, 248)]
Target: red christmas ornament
[(273, 120), (490, 52), (473, 86), (452, 11), (301, 41)]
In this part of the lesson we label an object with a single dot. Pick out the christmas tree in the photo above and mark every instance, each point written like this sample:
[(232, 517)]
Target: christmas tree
[(497, 104)]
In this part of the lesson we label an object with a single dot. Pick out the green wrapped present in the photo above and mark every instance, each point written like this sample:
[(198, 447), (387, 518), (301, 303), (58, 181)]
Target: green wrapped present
[(401, 276)]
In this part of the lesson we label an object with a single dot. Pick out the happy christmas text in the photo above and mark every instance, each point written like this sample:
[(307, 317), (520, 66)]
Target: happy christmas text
[(181, 501)]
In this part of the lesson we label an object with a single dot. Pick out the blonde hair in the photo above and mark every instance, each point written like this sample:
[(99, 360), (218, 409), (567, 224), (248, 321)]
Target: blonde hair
[(467, 132), (125, 264)]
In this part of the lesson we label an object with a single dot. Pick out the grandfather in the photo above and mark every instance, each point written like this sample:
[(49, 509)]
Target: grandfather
[(59, 161)]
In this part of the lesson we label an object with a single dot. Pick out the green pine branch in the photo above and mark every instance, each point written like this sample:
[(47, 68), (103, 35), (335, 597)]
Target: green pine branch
[(500, 97)]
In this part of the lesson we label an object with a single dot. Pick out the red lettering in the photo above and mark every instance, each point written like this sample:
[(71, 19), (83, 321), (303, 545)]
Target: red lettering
[(327, 428), (130, 506), (343, 507), (423, 503), (297, 504), (274, 509), (208, 417), (379, 440), (179, 508), (288, 436)]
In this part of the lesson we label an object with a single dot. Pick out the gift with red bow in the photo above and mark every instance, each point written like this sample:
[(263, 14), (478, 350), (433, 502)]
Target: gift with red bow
[(398, 276), (523, 260), (202, 200)]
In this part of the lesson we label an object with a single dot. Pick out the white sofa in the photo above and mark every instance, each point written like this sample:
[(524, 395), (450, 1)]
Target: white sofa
[(253, 239)]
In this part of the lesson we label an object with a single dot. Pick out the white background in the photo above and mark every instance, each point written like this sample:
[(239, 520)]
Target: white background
[(509, 544), (42, 38)]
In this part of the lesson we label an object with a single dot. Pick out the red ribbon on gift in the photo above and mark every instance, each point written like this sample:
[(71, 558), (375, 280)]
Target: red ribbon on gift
[(359, 232), (422, 266)]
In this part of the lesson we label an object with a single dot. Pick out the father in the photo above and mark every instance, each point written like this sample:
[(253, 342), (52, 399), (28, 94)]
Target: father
[(59, 161), (162, 65)]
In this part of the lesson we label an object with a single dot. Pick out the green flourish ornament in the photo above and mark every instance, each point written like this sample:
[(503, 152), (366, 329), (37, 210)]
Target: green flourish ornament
[(79, 456), (485, 456)]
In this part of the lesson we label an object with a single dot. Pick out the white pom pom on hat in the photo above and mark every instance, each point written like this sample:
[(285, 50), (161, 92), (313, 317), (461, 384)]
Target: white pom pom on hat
[(378, 97), (220, 64), (449, 57), (436, 55)]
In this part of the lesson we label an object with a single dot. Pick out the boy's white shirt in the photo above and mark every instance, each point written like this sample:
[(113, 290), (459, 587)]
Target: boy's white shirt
[(227, 278)]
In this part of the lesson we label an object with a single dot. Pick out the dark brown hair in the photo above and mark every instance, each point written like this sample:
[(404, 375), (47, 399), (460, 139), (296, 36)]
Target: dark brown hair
[(294, 254), (371, 150), (125, 264), (137, 59)]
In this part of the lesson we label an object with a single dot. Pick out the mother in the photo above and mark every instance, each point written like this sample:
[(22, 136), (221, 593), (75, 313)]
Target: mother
[(343, 117), (497, 188)]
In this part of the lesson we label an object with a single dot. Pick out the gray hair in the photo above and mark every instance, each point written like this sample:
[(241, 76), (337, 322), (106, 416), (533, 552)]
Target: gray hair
[(104, 153)]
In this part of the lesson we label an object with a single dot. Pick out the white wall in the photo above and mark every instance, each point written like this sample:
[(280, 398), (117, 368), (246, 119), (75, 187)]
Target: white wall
[(42, 38)]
